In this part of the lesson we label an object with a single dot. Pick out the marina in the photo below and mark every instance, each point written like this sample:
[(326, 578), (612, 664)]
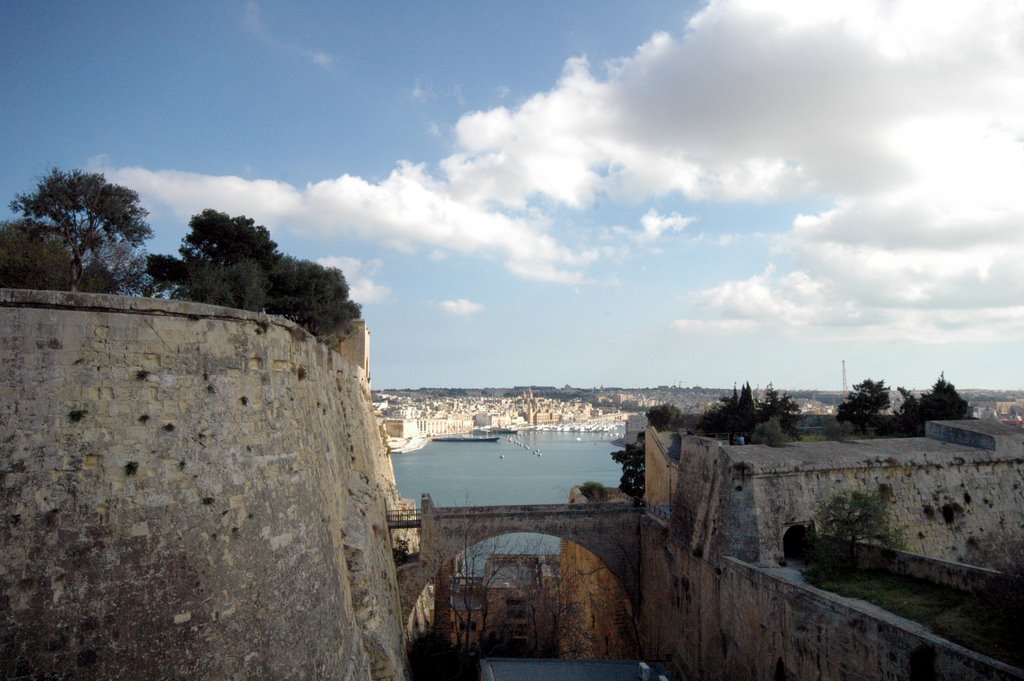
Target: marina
[(530, 467)]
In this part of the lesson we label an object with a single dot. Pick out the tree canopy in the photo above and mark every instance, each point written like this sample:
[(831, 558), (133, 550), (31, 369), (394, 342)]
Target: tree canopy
[(632, 460), (849, 517), (665, 417), (779, 406), (942, 403), (864, 404), (101, 226), (29, 262), (741, 413), (232, 261)]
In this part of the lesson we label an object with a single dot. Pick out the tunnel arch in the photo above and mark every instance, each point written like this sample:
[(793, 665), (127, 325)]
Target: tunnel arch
[(507, 592), (794, 542), (609, 531)]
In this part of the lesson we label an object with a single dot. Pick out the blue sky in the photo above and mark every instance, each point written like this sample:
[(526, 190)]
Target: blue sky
[(591, 193)]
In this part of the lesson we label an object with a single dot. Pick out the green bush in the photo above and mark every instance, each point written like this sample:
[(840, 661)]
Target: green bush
[(594, 491), (770, 433)]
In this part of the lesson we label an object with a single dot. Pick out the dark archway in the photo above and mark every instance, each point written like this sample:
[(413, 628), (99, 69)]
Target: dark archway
[(794, 543), (780, 671), (535, 595), (922, 664)]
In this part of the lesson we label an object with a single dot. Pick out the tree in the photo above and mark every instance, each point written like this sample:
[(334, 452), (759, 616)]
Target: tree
[(224, 261), (632, 460), (665, 417), (741, 413), (89, 215), (28, 261), (861, 406), (232, 261), (311, 295), (942, 403), (909, 416), (219, 239), (847, 518), (746, 411), (722, 417), (781, 407)]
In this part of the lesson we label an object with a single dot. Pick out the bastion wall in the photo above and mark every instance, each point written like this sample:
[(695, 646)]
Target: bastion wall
[(949, 500), (188, 491), (737, 621)]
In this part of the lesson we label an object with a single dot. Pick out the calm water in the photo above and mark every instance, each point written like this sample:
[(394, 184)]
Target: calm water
[(474, 474)]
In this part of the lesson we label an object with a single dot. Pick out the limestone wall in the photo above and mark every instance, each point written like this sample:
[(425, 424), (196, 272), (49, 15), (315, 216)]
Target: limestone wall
[(951, 501), (737, 621), (957, 575), (188, 492)]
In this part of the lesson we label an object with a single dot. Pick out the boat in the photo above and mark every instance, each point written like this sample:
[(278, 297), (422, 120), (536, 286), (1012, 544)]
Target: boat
[(467, 438)]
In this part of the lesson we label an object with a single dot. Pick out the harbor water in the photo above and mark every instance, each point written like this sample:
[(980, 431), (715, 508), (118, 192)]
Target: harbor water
[(503, 472)]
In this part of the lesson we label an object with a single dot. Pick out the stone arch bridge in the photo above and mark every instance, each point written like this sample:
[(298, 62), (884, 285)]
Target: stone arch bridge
[(609, 531)]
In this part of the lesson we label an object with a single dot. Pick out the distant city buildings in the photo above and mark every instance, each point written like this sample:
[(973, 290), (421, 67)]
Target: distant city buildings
[(411, 417)]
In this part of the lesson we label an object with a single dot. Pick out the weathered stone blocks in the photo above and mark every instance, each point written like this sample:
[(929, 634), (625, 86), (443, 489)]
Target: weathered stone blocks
[(174, 507)]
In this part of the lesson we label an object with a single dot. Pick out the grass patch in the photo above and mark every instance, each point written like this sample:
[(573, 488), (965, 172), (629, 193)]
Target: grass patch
[(956, 615)]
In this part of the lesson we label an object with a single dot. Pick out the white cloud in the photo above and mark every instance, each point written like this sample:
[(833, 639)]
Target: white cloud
[(406, 210), (359, 274), (905, 119), (460, 307), (422, 91), (253, 21), (654, 225), (703, 326)]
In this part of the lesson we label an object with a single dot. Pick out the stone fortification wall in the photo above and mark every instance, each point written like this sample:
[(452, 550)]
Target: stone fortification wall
[(949, 500), (188, 492), (957, 575), (736, 621)]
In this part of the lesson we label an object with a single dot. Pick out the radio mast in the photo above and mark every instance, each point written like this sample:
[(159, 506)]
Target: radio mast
[(846, 391)]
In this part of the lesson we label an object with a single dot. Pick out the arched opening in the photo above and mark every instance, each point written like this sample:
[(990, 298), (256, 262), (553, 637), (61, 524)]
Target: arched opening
[(780, 671), (794, 543), (922, 664), (530, 595)]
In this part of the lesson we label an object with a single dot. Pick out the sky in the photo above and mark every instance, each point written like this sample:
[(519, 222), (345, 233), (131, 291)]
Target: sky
[(579, 192)]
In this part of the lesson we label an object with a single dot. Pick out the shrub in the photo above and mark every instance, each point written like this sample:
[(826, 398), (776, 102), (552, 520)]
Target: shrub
[(770, 433), (838, 431), (594, 491), (400, 551)]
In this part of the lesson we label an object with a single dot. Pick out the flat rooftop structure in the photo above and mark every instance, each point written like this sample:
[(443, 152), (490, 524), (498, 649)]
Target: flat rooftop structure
[(517, 669), (948, 442)]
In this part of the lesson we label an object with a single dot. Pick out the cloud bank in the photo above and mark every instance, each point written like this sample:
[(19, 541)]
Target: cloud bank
[(460, 307), (905, 118)]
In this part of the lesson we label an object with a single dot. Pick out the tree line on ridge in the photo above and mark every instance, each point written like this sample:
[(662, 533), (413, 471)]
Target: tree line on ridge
[(78, 232)]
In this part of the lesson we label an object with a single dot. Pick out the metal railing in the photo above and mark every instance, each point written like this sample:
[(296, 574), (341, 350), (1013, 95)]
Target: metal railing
[(404, 518)]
